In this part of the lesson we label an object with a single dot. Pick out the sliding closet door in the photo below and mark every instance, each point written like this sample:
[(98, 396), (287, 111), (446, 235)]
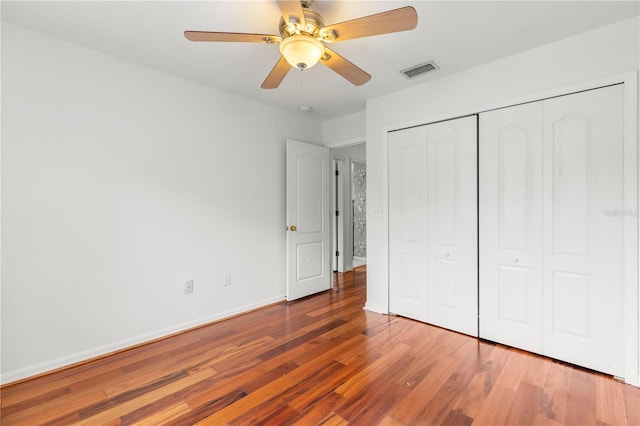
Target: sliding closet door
[(510, 188), (433, 224), (408, 246), (583, 252)]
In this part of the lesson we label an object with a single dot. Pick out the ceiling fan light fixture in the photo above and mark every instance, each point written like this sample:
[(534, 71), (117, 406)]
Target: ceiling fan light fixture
[(301, 51)]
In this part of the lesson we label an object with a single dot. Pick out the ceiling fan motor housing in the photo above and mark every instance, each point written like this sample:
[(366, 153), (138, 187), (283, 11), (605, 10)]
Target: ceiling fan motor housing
[(301, 44), (312, 25)]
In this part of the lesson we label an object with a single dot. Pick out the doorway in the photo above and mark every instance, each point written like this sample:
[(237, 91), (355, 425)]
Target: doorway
[(359, 212), (349, 207)]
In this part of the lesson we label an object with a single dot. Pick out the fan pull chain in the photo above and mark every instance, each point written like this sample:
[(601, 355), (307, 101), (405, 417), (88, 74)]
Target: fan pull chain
[(301, 84), (303, 107)]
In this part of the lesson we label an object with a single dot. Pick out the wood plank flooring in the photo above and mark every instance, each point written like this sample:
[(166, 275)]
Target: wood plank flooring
[(322, 360)]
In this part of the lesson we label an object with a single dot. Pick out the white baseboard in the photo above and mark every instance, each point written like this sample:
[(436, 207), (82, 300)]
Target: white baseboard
[(376, 309), (359, 261), (71, 359)]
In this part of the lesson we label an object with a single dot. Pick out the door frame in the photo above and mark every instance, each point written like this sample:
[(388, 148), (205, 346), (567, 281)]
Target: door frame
[(337, 219), (343, 239), (361, 260), (632, 175)]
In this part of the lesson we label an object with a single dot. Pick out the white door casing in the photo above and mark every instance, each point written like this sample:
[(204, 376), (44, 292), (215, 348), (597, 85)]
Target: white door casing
[(510, 218), (308, 219), (433, 224), (338, 234)]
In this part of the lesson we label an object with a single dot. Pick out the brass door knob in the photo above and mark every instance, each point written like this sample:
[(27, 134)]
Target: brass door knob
[(292, 228)]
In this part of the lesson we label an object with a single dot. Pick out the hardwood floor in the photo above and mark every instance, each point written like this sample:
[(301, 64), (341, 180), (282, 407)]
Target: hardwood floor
[(322, 360)]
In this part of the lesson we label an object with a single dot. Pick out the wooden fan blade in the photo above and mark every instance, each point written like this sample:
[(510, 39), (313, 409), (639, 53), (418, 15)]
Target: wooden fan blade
[(277, 74), (392, 21), (292, 9), (240, 37), (345, 68)]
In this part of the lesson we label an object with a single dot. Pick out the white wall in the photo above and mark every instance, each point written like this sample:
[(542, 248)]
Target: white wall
[(606, 51), (354, 152), (119, 183), (348, 128)]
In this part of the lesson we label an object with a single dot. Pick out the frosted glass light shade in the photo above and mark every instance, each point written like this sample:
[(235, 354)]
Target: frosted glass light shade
[(301, 51)]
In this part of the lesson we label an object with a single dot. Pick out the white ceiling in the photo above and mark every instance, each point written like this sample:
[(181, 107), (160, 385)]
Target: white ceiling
[(457, 35)]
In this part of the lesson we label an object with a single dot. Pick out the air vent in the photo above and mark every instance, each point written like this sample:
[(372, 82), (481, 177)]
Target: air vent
[(419, 69)]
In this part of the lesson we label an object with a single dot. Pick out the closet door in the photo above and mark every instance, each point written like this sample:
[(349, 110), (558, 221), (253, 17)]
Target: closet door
[(433, 224), (510, 235), (407, 223), (452, 217), (583, 252)]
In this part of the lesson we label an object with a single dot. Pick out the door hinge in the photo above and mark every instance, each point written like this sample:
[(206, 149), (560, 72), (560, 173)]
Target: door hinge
[(337, 253), (337, 213), (337, 173)]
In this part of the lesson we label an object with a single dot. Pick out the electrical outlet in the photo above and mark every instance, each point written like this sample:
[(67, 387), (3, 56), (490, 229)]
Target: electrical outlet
[(227, 279), (188, 287)]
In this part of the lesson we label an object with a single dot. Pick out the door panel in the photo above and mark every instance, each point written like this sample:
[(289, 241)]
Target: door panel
[(445, 187), (407, 223), (308, 210), (510, 217), (310, 180), (583, 245), (514, 304), (452, 216), (572, 185), (514, 145), (575, 290), (445, 283)]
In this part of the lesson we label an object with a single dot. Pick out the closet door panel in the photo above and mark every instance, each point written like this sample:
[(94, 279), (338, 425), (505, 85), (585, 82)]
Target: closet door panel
[(452, 223), (583, 242), (510, 205), (407, 223)]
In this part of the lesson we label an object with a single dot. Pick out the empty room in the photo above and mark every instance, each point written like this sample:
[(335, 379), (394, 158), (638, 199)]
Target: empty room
[(319, 212)]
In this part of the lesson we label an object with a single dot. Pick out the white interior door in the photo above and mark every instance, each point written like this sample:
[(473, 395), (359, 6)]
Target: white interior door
[(510, 235), (308, 219), (408, 246), (583, 250), (433, 224), (452, 215)]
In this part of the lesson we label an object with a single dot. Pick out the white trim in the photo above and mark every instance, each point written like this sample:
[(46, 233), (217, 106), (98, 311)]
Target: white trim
[(532, 97), (68, 360), (357, 262), (348, 142), (632, 259), (377, 309), (631, 227), (340, 162)]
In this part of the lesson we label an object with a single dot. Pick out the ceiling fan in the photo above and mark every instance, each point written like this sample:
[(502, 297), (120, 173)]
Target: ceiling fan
[(303, 35)]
